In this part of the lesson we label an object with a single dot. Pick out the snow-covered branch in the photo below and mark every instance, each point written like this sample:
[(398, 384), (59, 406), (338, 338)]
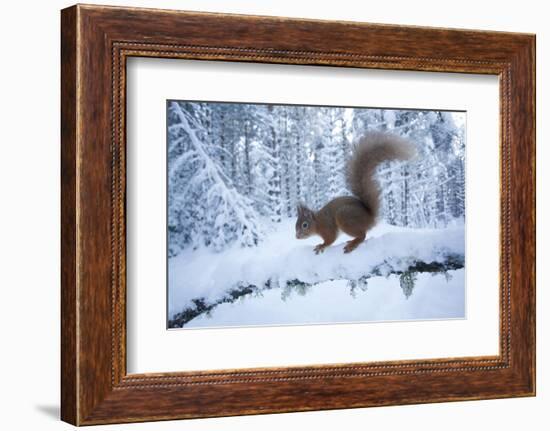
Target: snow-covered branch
[(284, 263), (407, 276)]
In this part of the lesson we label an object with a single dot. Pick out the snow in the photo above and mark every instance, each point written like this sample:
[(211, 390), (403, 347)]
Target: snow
[(434, 297), (203, 273)]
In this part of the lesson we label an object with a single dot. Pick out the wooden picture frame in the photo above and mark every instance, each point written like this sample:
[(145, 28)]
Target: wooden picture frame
[(96, 41)]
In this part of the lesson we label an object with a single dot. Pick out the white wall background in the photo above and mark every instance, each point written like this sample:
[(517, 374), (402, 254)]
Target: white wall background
[(29, 215)]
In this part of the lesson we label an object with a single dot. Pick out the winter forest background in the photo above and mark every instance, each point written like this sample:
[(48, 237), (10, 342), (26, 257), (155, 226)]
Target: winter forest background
[(236, 172)]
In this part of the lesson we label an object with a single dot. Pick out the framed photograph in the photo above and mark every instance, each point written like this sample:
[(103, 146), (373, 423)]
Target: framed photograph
[(247, 181), (263, 214)]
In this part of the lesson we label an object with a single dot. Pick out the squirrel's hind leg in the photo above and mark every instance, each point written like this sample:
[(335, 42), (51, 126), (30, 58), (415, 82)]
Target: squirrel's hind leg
[(352, 245), (355, 221)]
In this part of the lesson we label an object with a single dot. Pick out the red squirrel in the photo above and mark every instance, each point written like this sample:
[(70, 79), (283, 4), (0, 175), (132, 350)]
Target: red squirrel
[(354, 215)]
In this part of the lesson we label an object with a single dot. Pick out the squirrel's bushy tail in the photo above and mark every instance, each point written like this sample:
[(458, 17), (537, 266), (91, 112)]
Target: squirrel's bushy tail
[(371, 150)]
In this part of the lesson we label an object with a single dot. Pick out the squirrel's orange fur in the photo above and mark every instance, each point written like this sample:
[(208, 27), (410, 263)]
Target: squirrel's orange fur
[(354, 215)]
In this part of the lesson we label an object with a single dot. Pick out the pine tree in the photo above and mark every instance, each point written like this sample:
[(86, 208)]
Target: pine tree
[(210, 210)]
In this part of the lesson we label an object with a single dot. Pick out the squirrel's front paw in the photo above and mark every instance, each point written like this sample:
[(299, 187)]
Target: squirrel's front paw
[(319, 248)]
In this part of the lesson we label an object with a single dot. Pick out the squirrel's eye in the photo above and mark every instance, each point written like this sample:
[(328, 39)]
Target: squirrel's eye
[(304, 225)]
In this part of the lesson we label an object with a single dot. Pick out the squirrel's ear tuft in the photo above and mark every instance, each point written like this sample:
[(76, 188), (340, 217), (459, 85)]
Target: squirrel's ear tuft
[(303, 210)]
